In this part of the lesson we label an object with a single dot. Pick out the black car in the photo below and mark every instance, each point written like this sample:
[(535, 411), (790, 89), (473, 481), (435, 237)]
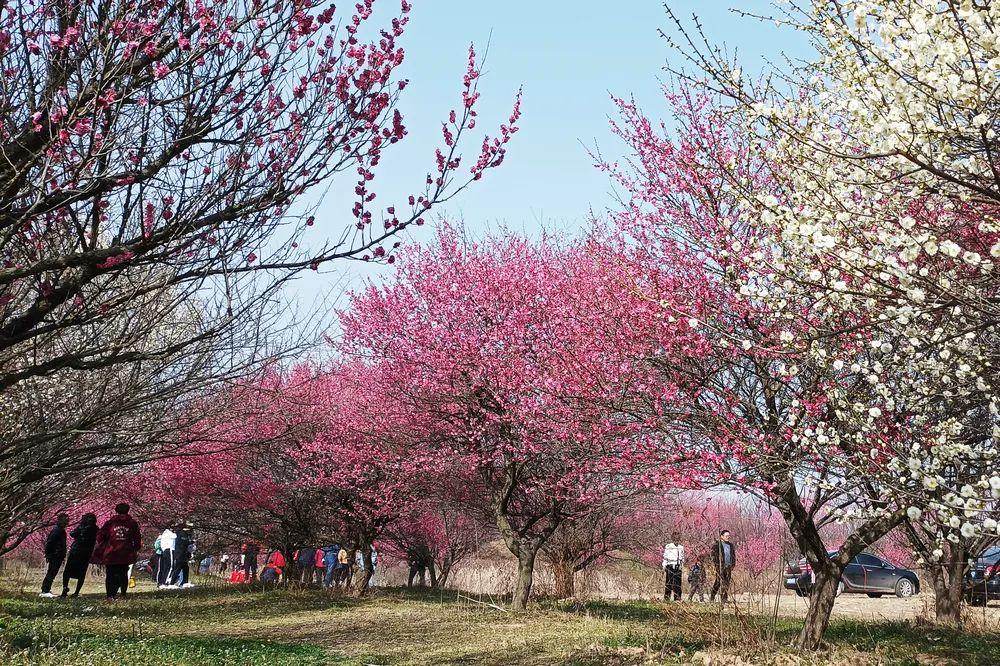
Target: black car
[(982, 582), (866, 574)]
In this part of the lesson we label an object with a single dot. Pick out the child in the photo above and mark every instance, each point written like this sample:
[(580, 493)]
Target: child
[(696, 581)]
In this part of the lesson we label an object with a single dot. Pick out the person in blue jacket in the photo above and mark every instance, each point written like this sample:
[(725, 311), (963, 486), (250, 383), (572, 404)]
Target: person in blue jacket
[(329, 563)]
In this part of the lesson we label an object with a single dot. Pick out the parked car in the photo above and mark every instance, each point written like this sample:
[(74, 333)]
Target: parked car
[(982, 582), (866, 574)]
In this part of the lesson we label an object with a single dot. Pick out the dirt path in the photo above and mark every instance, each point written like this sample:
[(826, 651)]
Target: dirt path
[(862, 607)]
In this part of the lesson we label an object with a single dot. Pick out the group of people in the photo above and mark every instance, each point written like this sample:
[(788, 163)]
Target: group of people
[(114, 545), (328, 565), (723, 560), (171, 561)]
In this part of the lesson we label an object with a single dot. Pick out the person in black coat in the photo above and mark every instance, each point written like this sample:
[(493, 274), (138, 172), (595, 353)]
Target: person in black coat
[(84, 537), (55, 553), (184, 547), (723, 560)]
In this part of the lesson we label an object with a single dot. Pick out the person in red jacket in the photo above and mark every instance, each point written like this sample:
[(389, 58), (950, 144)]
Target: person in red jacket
[(118, 543), (319, 566), (274, 568)]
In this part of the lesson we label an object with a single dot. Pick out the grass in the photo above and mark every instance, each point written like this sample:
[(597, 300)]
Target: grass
[(234, 625)]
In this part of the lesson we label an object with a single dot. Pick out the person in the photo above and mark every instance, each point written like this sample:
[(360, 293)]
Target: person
[(153, 566), (673, 563), (343, 566), (359, 559), (185, 549), (330, 554), (319, 566), (250, 553), (273, 568), (223, 564), (84, 538), (55, 553), (417, 567), (723, 559), (696, 579), (118, 543), (166, 543), (305, 558)]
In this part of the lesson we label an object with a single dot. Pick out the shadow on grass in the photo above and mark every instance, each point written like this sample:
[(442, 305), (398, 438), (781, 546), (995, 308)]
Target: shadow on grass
[(248, 601)]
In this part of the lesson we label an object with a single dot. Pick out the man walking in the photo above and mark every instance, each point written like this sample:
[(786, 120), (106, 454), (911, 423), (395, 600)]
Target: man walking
[(723, 559), (118, 543), (673, 562), (55, 553)]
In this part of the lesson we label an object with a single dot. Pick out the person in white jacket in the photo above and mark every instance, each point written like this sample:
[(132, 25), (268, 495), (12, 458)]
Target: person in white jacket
[(166, 544), (673, 563)]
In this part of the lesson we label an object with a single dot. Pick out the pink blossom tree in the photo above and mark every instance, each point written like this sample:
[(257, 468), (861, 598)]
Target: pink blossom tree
[(440, 533), (290, 469), (155, 196), (488, 346), (592, 539)]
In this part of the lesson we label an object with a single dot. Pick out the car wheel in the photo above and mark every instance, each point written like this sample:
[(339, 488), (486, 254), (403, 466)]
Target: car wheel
[(800, 593), (976, 600), (904, 588), (875, 595)]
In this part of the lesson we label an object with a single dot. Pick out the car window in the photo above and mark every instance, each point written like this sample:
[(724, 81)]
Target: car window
[(867, 560)]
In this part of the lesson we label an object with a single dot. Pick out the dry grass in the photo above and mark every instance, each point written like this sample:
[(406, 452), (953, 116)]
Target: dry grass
[(217, 624)]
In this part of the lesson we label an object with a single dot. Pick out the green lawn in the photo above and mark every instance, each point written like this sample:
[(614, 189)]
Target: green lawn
[(228, 625)]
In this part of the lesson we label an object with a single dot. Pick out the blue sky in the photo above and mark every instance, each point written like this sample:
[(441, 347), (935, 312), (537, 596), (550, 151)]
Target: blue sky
[(570, 57)]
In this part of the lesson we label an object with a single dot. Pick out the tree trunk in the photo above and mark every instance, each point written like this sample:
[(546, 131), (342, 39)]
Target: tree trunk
[(443, 572), (365, 573), (563, 573), (802, 524), (948, 581), (824, 593), (290, 572), (947, 601), (525, 574), (433, 574), (523, 546)]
